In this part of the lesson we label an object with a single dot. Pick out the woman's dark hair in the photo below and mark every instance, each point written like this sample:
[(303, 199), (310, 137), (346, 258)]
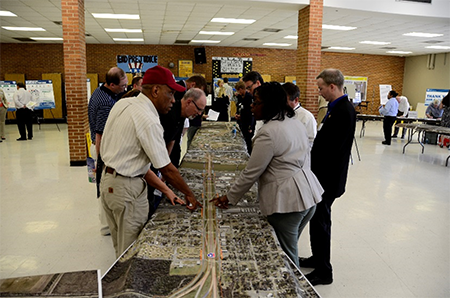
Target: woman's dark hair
[(274, 99), (446, 100), (393, 93)]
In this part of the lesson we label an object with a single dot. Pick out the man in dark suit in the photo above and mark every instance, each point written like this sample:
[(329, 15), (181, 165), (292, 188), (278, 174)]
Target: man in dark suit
[(330, 157)]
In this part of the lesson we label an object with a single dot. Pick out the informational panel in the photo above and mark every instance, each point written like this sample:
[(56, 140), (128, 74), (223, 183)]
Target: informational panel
[(356, 88), (17, 77), (291, 79), (384, 91), (136, 64), (433, 94), (185, 68), (42, 94), (88, 88), (231, 67), (57, 112), (9, 87)]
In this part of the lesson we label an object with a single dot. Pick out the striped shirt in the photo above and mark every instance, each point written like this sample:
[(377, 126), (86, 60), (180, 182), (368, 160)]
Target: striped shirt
[(100, 104), (133, 138)]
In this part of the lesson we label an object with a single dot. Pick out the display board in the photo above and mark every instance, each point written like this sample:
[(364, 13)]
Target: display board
[(433, 94), (384, 91), (9, 87), (136, 64), (356, 88), (231, 67), (42, 94)]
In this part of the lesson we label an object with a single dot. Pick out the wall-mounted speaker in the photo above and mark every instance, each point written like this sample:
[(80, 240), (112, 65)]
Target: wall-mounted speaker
[(200, 56)]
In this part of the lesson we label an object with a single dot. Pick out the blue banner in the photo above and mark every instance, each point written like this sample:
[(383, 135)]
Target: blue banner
[(433, 94), (136, 64)]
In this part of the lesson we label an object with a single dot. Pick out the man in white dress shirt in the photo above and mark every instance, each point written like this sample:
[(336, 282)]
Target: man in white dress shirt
[(302, 114), (132, 141), (24, 115)]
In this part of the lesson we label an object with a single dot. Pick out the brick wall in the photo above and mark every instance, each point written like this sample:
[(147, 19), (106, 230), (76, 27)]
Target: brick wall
[(34, 59)]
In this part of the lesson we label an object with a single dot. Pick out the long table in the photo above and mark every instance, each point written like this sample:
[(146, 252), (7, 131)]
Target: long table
[(364, 118), (420, 129)]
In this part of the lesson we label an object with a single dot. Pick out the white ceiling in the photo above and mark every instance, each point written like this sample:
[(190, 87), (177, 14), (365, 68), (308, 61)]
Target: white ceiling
[(166, 22)]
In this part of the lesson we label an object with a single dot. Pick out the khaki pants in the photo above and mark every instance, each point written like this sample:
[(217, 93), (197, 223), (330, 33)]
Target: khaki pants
[(126, 207)]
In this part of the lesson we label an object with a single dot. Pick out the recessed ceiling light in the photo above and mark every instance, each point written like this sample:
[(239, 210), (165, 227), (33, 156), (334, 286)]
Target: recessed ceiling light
[(205, 41), (335, 27), (375, 42), (5, 13), (234, 21), (46, 38), (277, 44), (291, 37), (421, 34), (438, 47), (124, 30), (128, 39), (399, 52), (116, 16), (341, 48), (215, 33), (23, 28)]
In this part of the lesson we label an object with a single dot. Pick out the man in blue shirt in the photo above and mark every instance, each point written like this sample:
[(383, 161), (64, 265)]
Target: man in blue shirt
[(389, 111)]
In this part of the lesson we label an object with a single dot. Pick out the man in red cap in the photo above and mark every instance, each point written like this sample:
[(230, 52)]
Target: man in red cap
[(132, 142)]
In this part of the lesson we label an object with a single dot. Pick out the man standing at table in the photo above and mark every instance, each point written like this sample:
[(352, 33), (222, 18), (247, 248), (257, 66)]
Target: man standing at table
[(131, 143), (330, 156)]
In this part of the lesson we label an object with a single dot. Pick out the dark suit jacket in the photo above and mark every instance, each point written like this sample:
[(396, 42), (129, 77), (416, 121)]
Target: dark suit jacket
[(330, 153)]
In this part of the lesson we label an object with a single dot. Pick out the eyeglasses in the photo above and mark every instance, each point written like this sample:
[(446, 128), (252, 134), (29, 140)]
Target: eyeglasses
[(198, 109), (250, 86)]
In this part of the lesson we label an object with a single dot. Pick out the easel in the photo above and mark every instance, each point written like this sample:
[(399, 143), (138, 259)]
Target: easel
[(37, 117)]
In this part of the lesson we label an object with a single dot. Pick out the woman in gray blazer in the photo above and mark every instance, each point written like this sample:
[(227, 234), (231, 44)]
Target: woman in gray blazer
[(3, 110), (288, 191)]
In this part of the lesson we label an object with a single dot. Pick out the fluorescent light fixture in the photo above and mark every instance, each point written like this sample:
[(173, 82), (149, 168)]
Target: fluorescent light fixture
[(116, 16), (277, 44), (128, 39), (46, 38), (335, 27), (438, 47), (23, 28), (341, 48), (215, 33), (291, 37), (124, 30), (5, 13), (375, 42), (421, 34), (398, 52), (205, 41), (234, 21)]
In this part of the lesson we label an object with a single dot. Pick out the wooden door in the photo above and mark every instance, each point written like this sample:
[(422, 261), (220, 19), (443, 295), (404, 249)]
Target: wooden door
[(57, 93)]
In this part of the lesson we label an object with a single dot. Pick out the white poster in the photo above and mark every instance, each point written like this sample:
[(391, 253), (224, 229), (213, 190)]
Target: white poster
[(88, 89), (9, 88), (42, 94), (433, 94), (384, 91)]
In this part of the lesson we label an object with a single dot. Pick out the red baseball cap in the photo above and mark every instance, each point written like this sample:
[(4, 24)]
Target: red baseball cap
[(162, 76)]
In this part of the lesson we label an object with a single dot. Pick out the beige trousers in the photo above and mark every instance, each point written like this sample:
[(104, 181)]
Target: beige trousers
[(126, 207)]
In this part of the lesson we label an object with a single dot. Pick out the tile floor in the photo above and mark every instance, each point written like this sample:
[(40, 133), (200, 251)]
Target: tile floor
[(391, 229)]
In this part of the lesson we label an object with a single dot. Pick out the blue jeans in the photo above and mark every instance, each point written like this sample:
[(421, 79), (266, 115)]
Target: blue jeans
[(288, 228)]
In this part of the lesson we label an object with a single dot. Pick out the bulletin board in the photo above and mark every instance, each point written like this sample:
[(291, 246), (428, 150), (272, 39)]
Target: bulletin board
[(185, 68)]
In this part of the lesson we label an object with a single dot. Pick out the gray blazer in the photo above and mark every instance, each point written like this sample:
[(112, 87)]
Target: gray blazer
[(280, 162)]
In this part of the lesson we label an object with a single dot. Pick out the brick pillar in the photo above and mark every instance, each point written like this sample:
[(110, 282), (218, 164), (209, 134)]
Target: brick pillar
[(75, 78), (309, 53)]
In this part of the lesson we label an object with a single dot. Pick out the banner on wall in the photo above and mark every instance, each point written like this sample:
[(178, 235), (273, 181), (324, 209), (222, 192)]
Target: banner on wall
[(9, 88), (231, 67), (433, 94), (136, 64), (42, 94)]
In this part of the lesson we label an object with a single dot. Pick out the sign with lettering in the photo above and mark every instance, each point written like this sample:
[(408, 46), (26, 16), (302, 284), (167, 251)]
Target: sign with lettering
[(226, 66), (9, 88), (42, 94), (136, 63), (433, 94)]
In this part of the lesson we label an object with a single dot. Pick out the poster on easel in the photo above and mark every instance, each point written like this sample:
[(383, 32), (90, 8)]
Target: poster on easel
[(42, 94), (355, 88), (9, 88), (88, 82)]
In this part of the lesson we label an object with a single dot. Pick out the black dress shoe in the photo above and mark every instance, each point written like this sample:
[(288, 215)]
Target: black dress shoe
[(21, 139), (385, 143), (30, 138), (316, 279), (394, 136), (306, 262)]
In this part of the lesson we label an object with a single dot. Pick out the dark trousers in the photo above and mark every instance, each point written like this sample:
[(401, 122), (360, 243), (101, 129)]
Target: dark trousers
[(98, 173), (320, 237), (25, 119), (387, 128), (247, 136), (396, 129)]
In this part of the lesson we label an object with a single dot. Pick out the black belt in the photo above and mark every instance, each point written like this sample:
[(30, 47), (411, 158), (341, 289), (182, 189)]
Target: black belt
[(112, 171)]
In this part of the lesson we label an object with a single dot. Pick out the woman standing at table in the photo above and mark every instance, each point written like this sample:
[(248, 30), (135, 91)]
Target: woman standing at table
[(389, 111)]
